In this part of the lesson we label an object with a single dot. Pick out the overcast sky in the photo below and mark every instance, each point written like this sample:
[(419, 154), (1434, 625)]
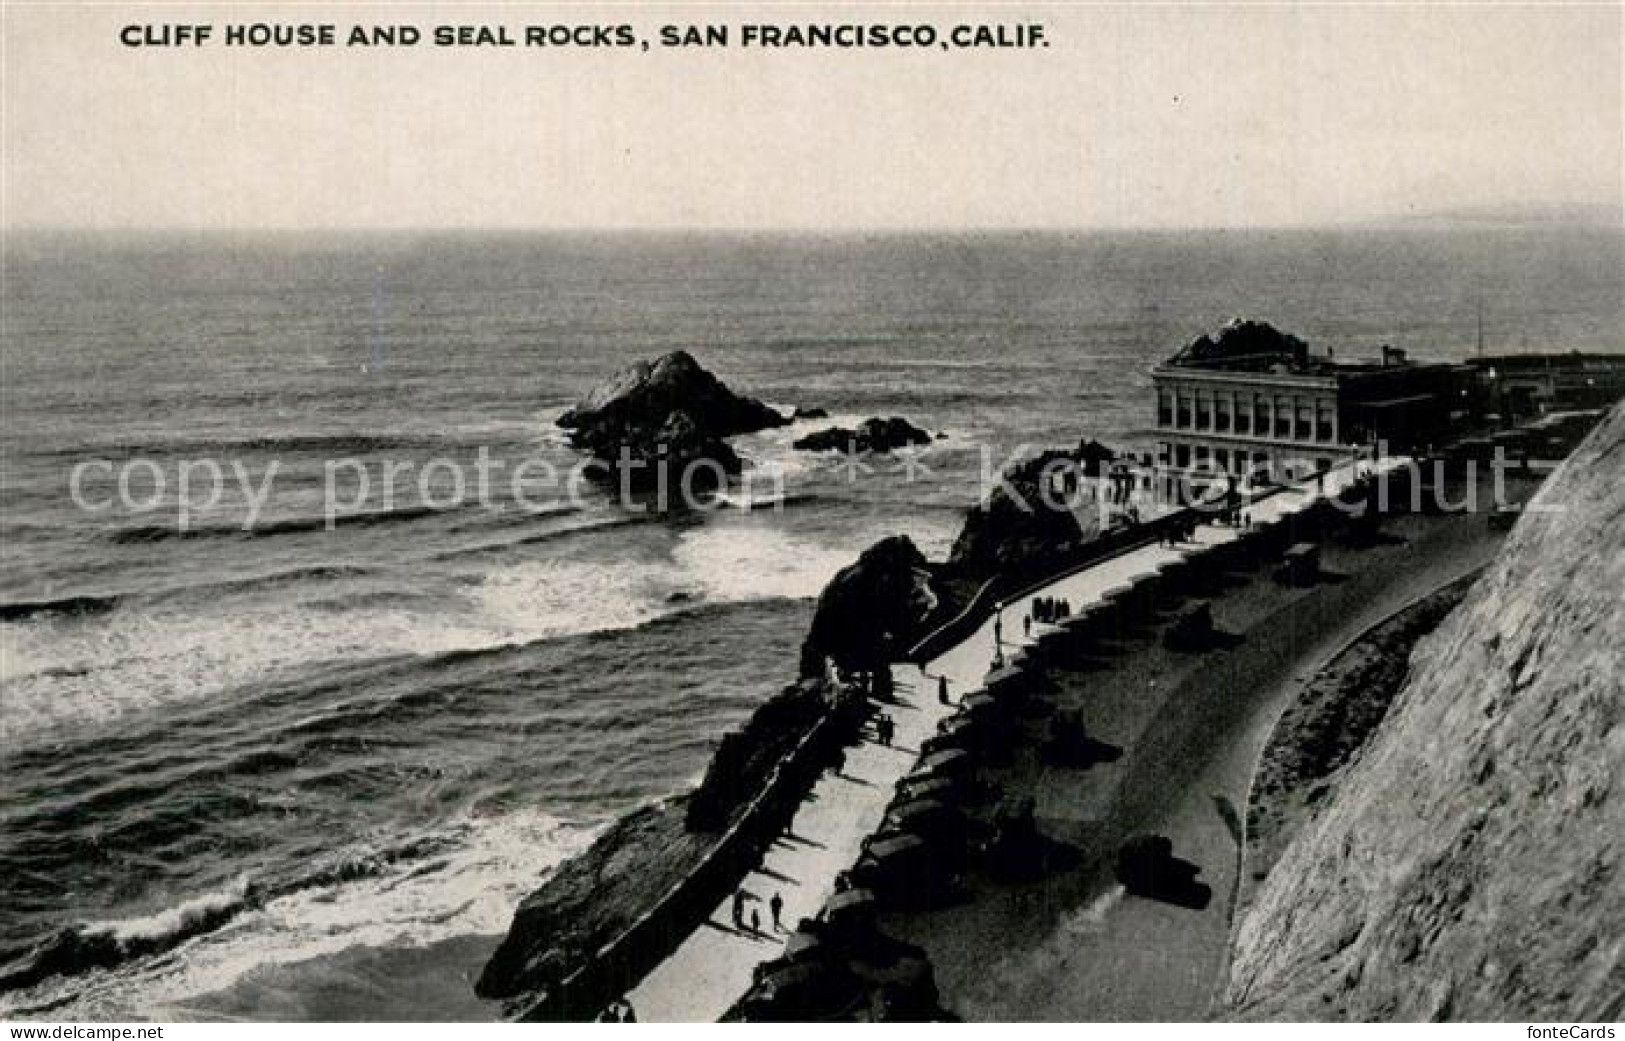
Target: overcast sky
[(1167, 116)]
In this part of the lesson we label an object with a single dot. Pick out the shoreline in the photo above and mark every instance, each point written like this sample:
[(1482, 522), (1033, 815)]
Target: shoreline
[(490, 942)]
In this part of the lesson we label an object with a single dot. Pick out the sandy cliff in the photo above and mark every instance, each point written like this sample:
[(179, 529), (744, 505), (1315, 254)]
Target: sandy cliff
[(1468, 866)]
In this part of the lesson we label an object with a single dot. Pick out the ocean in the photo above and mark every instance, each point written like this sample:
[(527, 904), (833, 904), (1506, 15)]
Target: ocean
[(308, 770)]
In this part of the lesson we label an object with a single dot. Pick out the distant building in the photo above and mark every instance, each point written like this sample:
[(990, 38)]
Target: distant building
[(1518, 386), (1254, 403)]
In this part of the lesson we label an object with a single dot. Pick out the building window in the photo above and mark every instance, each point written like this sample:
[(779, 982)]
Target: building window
[(1182, 456), (1164, 453), (1203, 418), (1182, 409), (1221, 413), (1323, 422), (1165, 408), (1261, 415), (1221, 457), (1244, 420), (1306, 422), (1283, 418)]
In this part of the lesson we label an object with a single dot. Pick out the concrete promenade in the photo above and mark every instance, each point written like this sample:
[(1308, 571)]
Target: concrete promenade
[(712, 968)]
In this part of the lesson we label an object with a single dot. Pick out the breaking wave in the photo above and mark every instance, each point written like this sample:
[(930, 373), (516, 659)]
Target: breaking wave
[(463, 878)]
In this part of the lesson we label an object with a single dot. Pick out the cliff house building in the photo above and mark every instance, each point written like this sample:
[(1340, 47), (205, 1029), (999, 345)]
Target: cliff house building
[(1253, 403)]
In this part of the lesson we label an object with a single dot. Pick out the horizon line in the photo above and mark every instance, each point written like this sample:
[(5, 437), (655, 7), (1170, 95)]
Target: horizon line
[(1427, 223)]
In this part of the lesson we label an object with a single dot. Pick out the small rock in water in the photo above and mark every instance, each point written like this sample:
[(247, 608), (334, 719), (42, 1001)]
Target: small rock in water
[(872, 435)]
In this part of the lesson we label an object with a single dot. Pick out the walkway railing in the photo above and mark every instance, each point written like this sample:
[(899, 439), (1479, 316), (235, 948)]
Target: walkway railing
[(619, 964)]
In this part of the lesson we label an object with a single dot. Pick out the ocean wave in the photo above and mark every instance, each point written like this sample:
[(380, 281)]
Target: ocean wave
[(92, 604), (77, 949), (144, 533), (332, 444), (23, 610), (183, 645), (535, 538), (460, 878)]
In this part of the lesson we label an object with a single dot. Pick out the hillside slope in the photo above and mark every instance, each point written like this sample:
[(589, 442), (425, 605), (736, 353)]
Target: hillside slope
[(1469, 866)]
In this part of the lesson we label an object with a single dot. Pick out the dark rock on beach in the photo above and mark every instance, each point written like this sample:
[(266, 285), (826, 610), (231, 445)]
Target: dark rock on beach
[(671, 412), (1019, 524), (872, 435), (744, 758), (810, 413), (872, 611), (591, 899)]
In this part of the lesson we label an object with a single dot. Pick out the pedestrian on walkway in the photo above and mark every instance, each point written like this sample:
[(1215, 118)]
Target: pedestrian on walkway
[(776, 905), (942, 690), (1027, 624), (739, 909), (756, 921)]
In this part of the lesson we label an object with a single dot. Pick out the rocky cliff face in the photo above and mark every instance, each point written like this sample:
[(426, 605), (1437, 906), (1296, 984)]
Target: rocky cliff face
[(1468, 868), (1022, 522), (871, 611)]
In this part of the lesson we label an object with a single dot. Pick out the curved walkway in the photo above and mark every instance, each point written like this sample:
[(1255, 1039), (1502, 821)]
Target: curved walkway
[(712, 968)]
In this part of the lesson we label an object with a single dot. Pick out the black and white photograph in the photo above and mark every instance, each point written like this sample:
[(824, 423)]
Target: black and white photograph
[(688, 513)]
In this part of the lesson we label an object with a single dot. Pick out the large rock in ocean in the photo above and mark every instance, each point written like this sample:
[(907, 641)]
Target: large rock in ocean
[(1244, 343), (871, 611), (670, 411), (872, 435), (1468, 864)]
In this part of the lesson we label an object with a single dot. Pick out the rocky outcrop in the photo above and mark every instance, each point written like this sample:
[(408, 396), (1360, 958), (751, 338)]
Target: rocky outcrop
[(591, 899), (1029, 516), (745, 757), (669, 412), (872, 435), (871, 611), (809, 412), (1244, 341), (1468, 865)]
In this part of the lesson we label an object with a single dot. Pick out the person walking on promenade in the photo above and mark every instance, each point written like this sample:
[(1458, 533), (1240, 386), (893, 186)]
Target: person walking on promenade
[(776, 905), (739, 909), (998, 624), (942, 690), (1027, 625)]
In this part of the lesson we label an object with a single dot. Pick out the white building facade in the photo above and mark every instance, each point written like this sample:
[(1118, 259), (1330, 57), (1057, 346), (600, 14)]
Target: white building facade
[(1250, 425)]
